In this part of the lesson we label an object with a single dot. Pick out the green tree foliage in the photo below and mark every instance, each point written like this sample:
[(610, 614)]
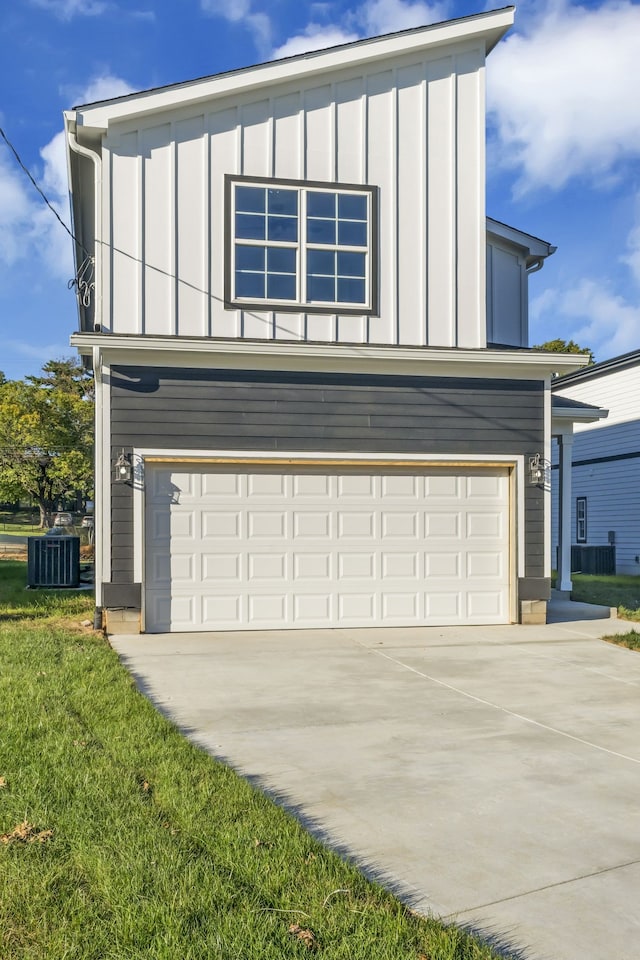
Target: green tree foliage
[(565, 346), (46, 436)]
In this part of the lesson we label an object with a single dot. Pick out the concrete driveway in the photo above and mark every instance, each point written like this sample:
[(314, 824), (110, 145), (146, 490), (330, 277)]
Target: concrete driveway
[(489, 775)]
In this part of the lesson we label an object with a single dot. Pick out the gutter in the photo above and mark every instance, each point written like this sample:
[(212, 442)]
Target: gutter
[(96, 159)]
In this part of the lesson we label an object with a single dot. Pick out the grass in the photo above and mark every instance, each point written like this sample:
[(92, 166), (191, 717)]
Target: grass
[(122, 841), (630, 640), (618, 591), (20, 523)]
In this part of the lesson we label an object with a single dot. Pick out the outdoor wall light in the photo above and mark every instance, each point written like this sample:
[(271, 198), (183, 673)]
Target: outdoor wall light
[(538, 467), (123, 468)]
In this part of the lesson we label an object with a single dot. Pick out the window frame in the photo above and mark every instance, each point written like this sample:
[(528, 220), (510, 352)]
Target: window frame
[(581, 521), (231, 301)]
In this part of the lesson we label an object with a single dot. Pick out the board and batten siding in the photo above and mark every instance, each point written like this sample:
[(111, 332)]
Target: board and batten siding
[(412, 127), (187, 409), (606, 465)]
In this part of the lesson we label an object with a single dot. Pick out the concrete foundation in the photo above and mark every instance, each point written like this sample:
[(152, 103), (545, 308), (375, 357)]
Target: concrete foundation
[(122, 621), (533, 611)]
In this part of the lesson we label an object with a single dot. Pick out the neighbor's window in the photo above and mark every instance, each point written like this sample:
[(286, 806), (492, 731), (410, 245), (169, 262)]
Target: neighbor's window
[(300, 245), (581, 519)]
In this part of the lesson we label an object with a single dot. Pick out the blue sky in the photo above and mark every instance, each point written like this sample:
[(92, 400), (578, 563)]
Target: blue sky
[(563, 135)]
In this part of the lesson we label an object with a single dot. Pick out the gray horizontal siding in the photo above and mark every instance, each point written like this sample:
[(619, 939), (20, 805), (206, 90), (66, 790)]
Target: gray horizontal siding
[(191, 409)]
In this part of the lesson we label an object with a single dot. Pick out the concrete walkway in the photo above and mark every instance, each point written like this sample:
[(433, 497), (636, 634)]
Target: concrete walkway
[(489, 775)]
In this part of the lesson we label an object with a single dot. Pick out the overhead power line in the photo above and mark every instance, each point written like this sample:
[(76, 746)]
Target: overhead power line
[(26, 170)]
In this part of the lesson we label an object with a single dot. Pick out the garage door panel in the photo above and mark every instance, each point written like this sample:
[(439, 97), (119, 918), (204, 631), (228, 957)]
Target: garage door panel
[(485, 603), (266, 485), (221, 566), (443, 525), (221, 485), (356, 607), (221, 524), (312, 566), (221, 612), (401, 525), (230, 549), (442, 564), (445, 606), (267, 567), (488, 524), (360, 487), (316, 486), (356, 525), (267, 524), (400, 566), (483, 487), (487, 564), (401, 487), (270, 608), (312, 524)]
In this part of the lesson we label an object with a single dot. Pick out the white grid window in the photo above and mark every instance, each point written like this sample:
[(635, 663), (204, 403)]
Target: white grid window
[(300, 245)]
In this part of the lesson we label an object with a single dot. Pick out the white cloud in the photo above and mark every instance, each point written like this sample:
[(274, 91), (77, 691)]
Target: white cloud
[(592, 315), (15, 210), (103, 87), (28, 228), (68, 9), (367, 20), (563, 95), (241, 11), (387, 16), (314, 37)]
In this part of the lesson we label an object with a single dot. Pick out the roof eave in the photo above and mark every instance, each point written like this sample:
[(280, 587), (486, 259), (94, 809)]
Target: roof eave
[(487, 28)]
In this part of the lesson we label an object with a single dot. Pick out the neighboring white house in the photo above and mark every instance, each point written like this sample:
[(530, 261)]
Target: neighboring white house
[(311, 347), (605, 482)]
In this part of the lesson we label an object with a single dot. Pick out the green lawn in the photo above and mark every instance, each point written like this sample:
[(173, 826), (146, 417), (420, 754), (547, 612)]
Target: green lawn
[(620, 591), (119, 840), (20, 529)]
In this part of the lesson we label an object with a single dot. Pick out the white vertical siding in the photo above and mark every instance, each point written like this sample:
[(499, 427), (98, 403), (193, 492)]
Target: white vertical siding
[(125, 240), (470, 215), (224, 147), (441, 180), (412, 127), (350, 168), (506, 297), (158, 229), (191, 228), (380, 151), (411, 180)]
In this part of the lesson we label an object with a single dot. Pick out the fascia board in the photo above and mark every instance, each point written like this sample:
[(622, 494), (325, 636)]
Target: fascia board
[(525, 241), (574, 415), (233, 353), (486, 28)]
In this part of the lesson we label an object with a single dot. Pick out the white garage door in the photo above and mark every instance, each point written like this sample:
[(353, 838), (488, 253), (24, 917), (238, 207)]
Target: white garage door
[(260, 548)]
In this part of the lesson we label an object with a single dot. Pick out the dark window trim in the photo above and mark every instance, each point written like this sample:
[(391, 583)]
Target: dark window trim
[(270, 306), (581, 501)]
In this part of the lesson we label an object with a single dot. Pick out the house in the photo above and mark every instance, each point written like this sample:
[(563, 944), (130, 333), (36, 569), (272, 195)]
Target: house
[(310, 346), (604, 507)]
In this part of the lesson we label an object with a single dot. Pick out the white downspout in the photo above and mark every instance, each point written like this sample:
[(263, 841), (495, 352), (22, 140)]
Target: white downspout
[(96, 159), (102, 507)]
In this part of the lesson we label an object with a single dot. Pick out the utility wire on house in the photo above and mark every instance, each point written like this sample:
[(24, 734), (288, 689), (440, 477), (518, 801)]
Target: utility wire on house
[(28, 173)]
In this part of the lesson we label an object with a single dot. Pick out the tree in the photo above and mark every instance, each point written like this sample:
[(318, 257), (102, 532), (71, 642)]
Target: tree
[(46, 436), (565, 346)]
